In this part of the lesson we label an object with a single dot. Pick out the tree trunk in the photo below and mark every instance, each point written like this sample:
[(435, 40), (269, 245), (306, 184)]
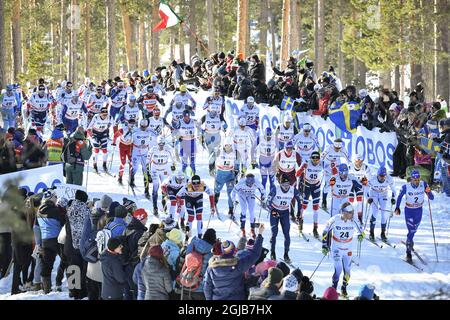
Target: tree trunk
[(143, 62), (63, 39), (181, 43), (385, 79), (210, 26), (362, 70), (242, 27), (320, 36), (397, 79), (74, 21), (316, 34), (155, 36), (284, 50), (16, 37), (127, 33), (442, 67), (87, 40), (2, 45), (192, 26), (294, 27), (110, 38), (272, 32), (263, 14), (172, 44), (341, 62)]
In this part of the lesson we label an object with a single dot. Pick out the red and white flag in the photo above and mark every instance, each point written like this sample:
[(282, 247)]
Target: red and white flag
[(168, 17)]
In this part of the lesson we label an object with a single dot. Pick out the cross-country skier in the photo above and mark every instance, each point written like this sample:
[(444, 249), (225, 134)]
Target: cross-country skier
[(332, 156), (9, 108), (37, 108), (98, 130), (267, 149), (125, 135), (118, 98), (305, 142), (156, 123), (225, 174), (184, 97), (245, 190), (341, 187), (312, 171), (149, 100), (251, 113), (285, 131), (362, 172), (187, 137), (142, 141), (62, 99), (339, 233), (95, 102), (72, 112), (377, 198), (193, 197), (415, 192), (161, 164), (157, 88), (170, 188), (243, 142), (211, 125), (130, 111), (216, 100), (278, 203)]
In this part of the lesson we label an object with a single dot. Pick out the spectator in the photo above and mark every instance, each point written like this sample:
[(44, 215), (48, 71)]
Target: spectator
[(330, 294), (156, 275), (270, 287), (306, 289), (288, 289), (114, 277), (367, 292)]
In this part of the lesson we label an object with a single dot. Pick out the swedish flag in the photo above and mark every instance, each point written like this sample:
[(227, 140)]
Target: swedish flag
[(429, 146), (287, 103), (345, 115)]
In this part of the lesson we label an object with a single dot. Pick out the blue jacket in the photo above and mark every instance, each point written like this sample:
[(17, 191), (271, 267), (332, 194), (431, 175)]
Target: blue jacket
[(50, 219), (171, 252), (117, 231), (114, 277), (137, 279), (225, 276), (204, 248)]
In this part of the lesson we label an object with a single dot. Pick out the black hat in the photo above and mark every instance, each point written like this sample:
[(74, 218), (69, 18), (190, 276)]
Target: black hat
[(284, 178), (221, 55), (113, 244), (283, 267), (210, 236), (298, 274), (436, 105), (82, 196), (195, 179), (306, 285)]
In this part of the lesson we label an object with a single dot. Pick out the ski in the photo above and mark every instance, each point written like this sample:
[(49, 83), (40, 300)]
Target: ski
[(355, 263), (387, 243), (304, 237), (413, 264), (417, 255), (374, 242), (317, 238)]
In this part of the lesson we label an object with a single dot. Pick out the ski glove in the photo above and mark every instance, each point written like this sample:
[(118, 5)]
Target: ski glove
[(275, 214), (393, 200), (361, 236), (427, 189), (397, 211), (325, 250), (332, 181), (369, 201), (173, 168)]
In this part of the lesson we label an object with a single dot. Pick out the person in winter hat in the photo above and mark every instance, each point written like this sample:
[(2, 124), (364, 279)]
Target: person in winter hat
[(76, 151), (156, 275), (288, 289), (114, 277), (330, 293), (53, 147), (171, 248), (133, 232), (105, 202), (77, 213), (118, 224), (284, 267), (270, 287), (367, 292), (224, 279), (306, 289)]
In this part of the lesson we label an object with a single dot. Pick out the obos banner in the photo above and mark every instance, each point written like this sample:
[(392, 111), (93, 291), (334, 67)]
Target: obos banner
[(35, 180), (377, 148)]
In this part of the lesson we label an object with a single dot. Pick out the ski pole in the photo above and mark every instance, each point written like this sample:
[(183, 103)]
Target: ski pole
[(367, 217), (231, 219), (112, 157), (432, 228), (317, 267), (86, 163), (389, 222)]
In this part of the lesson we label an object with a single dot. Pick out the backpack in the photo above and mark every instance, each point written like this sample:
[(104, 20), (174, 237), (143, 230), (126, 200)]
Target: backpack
[(190, 276), (89, 250), (103, 237)]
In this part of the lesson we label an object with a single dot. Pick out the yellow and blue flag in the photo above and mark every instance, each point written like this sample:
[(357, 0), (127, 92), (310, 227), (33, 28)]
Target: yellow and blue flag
[(429, 145), (287, 103), (345, 115)]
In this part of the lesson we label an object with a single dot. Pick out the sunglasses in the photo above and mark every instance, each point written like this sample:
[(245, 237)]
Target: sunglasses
[(315, 158)]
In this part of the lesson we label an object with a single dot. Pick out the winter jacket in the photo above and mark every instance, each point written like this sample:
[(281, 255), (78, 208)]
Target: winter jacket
[(94, 271), (224, 278), (264, 292), (133, 232), (77, 214), (157, 280), (327, 95), (119, 226), (204, 248), (243, 90), (171, 252), (257, 72), (137, 279), (50, 219), (114, 277), (79, 148), (32, 154), (146, 241), (284, 295)]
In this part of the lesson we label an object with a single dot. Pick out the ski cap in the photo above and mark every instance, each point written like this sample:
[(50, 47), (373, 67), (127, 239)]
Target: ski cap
[(347, 207), (160, 140), (415, 174), (250, 178), (289, 145), (338, 143), (183, 88), (268, 132), (149, 89), (169, 224), (250, 100), (140, 214), (186, 113), (315, 155), (358, 157), (288, 118), (143, 123), (242, 121), (154, 78), (285, 179), (381, 171), (343, 168), (307, 127), (195, 180)]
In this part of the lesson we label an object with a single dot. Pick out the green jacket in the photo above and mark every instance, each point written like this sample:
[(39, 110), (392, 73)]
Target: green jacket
[(85, 149)]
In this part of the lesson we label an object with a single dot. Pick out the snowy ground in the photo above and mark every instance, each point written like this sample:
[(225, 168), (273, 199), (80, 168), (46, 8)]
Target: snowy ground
[(382, 267)]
